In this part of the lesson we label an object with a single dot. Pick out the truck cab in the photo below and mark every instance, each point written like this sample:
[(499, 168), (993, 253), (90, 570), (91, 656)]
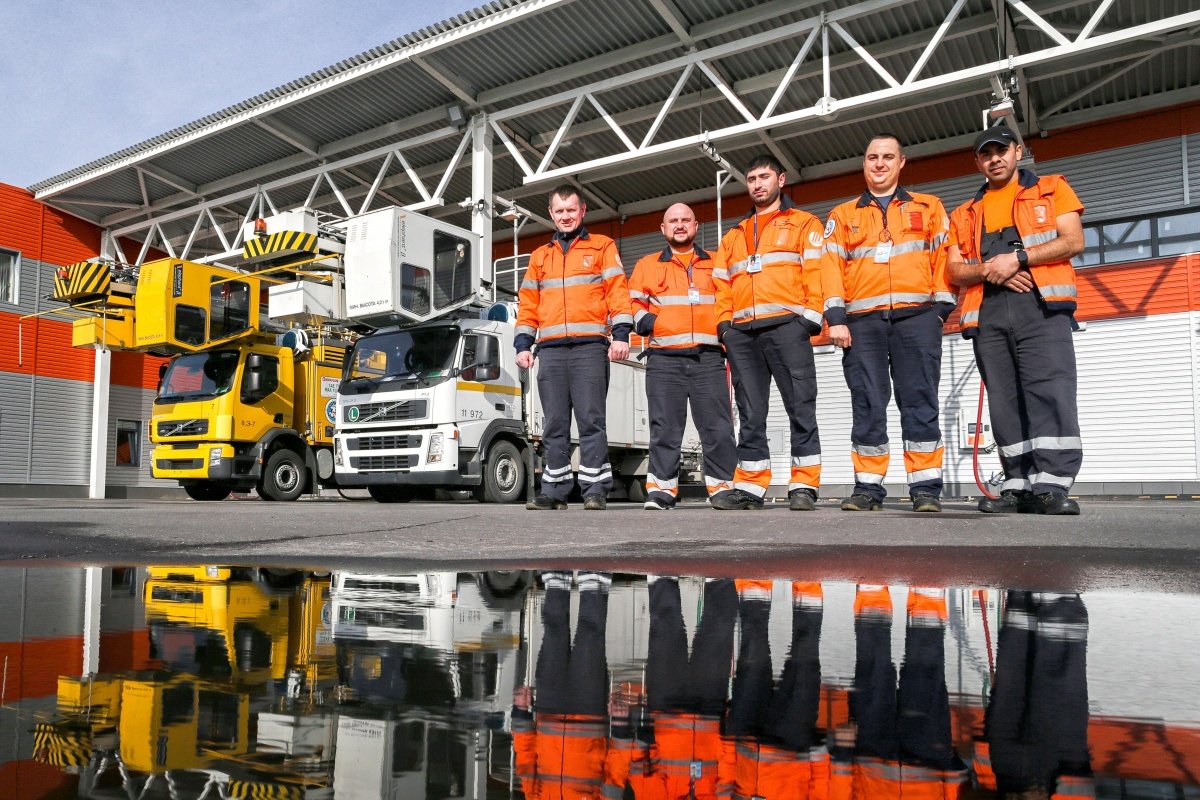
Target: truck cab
[(436, 404)]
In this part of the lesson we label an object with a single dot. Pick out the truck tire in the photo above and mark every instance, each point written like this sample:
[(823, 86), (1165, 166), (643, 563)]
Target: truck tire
[(283, 476), (207, 491), (503, 475), (636, 489), (390, 494)]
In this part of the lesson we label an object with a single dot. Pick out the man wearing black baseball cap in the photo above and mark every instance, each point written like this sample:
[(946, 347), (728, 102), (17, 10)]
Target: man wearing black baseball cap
[(1010, 255)]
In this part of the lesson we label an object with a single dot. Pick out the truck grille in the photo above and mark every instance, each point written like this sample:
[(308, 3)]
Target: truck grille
[(186, 427), (366, 412), (383, 443), (179, 463), (384, 462)]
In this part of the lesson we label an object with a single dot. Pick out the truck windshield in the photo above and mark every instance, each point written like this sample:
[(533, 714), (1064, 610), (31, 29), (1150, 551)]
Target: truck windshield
[(199, 375), (422, 355)]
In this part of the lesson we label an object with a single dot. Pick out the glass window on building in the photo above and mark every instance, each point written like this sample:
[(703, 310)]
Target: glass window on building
[(1128, 240), (1090, 256), (10, 268), (129, 443), (1179, 234)]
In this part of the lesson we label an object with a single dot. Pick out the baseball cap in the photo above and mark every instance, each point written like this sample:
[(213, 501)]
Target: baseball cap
[(999, 134)]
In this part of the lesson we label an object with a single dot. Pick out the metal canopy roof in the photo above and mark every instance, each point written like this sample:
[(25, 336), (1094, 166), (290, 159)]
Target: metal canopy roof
[(622, 97)]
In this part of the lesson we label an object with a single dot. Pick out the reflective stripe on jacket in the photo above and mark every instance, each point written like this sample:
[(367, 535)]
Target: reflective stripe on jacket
[(663, 308), (914, 272), (576, 295), (1036, 222), (789, 282)]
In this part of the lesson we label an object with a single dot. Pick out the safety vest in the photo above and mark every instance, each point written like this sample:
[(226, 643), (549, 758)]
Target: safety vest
[(765, 282), (1036, 223), (576, 295), (560, 755), (680, 302), (874, 262)]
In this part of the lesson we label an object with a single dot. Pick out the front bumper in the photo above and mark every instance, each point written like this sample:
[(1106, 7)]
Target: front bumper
[(203, 461), (402, 457)]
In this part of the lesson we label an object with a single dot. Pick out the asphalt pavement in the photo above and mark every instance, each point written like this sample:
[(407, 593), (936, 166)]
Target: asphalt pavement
[(1127, 545)]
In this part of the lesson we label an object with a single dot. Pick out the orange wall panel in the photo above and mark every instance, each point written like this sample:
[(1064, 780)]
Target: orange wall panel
[(139, 370), (42, 233)]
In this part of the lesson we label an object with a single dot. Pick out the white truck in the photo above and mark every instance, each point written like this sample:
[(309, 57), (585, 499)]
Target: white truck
[(433, 398)]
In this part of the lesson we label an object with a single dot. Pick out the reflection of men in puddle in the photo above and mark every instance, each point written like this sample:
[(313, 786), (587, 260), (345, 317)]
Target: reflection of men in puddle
[(561, 738), (1036, 722), (777, 748), (898, 743), (676, 752)]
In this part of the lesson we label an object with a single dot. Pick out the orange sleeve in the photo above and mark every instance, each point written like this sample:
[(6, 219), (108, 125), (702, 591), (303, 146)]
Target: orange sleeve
[(814, 248), (833, 269), (1065, 199), (616, 288), (529, 297)]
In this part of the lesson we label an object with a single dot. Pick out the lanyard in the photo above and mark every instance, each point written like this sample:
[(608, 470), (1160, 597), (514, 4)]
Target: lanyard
[(688, 268), (765, 224), (886, 236)]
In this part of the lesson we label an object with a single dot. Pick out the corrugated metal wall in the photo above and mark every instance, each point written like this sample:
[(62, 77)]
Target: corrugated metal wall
[(130, 403)]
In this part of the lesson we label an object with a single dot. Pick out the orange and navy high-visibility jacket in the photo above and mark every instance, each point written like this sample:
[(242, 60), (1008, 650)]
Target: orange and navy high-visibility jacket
[(1035, 218), (870, 778), (683, 761), (560, 755), (574, 291), (774, 277), (893, 263), (674, 302), (762, 770)]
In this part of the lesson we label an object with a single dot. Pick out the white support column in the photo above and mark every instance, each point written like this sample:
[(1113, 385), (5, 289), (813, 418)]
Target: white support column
[(101, 382), (93, 583), (481, 192)]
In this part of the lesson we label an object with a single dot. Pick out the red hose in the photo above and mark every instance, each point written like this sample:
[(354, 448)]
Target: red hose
[(975, 443)]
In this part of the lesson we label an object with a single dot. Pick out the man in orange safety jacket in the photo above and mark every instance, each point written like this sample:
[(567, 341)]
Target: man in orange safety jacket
[(899, 744), (768, 277), (1036, 726), (560, 727), (1010, 250), (778, 752), (573, 295), (674, 307), (676, 751), (886, 297)]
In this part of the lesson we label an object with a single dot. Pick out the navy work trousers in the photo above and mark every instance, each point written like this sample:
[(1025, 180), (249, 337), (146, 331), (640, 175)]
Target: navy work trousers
[(574, 379), (905, 353), (1027, 359), (672, 381)]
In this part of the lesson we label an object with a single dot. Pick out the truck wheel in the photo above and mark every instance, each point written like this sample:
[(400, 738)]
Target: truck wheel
[(636, 489), (283, 476), (503, 475), (390, 494), (207, 491)]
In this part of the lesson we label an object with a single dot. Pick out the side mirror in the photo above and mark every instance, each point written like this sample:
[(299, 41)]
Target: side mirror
[(487, 360), (162, 373), (254, 382), (254, 361), (487, 372)]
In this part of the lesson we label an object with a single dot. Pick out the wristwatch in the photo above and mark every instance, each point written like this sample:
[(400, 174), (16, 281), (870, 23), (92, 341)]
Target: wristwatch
[(1023, 259)]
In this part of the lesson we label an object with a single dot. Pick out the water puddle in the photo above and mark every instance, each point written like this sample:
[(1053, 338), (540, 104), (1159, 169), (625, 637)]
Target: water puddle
[(242, 682)]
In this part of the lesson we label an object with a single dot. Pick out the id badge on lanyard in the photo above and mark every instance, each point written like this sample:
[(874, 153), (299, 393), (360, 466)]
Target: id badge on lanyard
[(755, 263), (694, 296), (883, 252)]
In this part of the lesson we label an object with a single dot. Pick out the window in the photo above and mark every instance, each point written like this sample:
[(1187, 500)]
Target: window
[(10, 268), (451, 270), (190, 325), (129, 443), (230, 308), (268, 367), (1140, 238), (414, 289)]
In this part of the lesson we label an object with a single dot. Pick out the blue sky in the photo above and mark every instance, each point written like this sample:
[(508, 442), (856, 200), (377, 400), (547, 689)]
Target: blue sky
[(80, 80)]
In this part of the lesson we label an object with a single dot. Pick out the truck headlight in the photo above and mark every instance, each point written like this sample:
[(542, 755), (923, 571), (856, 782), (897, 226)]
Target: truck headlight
[(435, 447), (214, 456), (337, 452)]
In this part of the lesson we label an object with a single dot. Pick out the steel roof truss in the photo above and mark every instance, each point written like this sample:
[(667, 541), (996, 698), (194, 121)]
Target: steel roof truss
[(893, 92), (927, 53)]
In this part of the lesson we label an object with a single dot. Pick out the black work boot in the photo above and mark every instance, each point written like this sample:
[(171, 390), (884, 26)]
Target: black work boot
[(595, 502), (735, 500), (544, 502), (1056, 503), (861, 502), (924, 501), (802, 500), (1010, 501)]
